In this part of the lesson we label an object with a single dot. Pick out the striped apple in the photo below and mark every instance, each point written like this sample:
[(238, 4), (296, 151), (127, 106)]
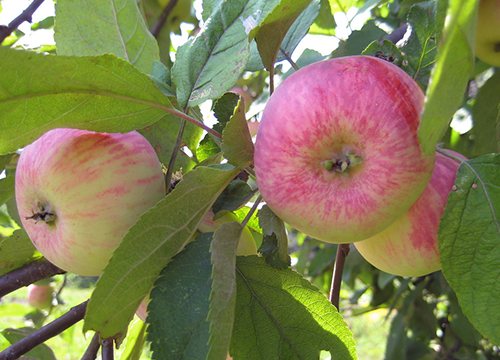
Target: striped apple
[(409, 247), (337, 155), (78, 192)]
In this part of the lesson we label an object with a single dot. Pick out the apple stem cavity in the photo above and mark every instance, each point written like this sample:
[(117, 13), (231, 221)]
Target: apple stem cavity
[(342, 164), (44, 213)]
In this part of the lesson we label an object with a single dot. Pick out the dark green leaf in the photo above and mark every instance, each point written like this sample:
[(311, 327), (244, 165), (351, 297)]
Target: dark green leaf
[(178, 327), (94, 27), (233, 197), (146, 249), (450, 76), (469, 242), (359, 40), (386, 50), (421, 49), (101, 93), (280, 315), (275, 243), (486, 116)]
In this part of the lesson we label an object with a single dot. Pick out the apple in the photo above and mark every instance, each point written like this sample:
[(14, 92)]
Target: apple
[(488, 32), (40, 297), (337, 155), (246, 245), (78, 192), (409, 247)]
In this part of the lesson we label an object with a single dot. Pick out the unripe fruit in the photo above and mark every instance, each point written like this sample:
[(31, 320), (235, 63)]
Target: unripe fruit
[(78, 192), (337, 154), (488, 32), (409, 247)]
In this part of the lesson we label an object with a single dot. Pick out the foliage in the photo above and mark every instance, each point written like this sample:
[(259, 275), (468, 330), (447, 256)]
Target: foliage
[(108, 73)]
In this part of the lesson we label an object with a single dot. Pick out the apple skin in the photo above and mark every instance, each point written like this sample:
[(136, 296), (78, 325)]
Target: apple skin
[(357, 105), (488, 32), (96, 185), (409, 247), (246, 246), (40, 296)]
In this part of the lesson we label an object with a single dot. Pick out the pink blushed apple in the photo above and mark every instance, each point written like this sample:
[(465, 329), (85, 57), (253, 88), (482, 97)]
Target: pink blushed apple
[(409, 247), (78, 192), (337, 155), (40, 296)]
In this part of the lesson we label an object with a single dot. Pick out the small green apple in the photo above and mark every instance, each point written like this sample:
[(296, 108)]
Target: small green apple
[(488, 32)]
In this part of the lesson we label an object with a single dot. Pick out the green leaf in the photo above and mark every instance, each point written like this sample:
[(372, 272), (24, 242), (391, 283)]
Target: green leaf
[(237, 144), (7, 185), (5, 160), (134, 342), (280, 315), (270, 33), (421, 49), (162, 136), (469, 242), (94, 27), (101, 93), (223, 296), (40, 352), (146, 249), (325, 22), (233, 197), (359, 40), (293, 36), (209, 64), (486, 116), (274, 246), (15, 251), (178, 327), (386, 50), (450, 76)]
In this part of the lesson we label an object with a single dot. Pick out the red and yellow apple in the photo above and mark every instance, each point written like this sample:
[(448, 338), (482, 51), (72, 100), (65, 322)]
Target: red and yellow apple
[(488, 32), (40, 296), (409, 247), (337, 155), (78, 192)]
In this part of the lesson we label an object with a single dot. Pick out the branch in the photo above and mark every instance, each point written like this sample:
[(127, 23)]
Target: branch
[(155, 30), (107, 349), (338, 270), (396, 35), (27, 274), (26, 15), (41, 335), (93, 348)]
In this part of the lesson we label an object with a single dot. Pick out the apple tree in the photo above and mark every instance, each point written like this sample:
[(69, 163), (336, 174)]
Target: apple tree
[(216, 268)]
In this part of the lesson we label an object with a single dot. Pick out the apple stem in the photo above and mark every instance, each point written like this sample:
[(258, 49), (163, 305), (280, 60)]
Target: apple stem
[(338, 270), (342, 164)]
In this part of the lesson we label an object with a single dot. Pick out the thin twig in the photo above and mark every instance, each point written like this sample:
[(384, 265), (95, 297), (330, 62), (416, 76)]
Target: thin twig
[(92, 349), (252, 210), (41, 335), (26, 15), (155, 30), (289, 59), (338, 270), (396, 35), (173, 157), (27, 274)]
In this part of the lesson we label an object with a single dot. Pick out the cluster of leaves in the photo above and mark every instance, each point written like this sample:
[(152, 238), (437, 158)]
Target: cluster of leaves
[(206, 301)]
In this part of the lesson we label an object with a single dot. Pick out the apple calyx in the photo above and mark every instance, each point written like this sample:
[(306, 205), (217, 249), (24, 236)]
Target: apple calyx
[(44, 213), (342, 164)]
